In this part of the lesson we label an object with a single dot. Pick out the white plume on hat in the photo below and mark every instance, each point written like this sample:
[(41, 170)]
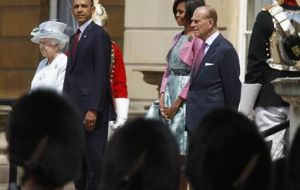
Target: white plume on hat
[(50, 29), (100, 16)]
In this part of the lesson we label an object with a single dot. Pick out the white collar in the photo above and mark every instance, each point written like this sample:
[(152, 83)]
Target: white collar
[(83, 27), (212, 38), (56, 61)]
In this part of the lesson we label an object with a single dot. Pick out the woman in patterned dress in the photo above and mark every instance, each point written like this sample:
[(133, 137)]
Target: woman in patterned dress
[(175, 81)]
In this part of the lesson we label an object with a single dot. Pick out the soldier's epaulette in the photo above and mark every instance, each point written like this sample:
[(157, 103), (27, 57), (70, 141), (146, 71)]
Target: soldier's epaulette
[(268, 7)]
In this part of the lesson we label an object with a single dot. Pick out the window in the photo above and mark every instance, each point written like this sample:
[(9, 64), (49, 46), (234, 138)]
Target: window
[(61, 10), (248, 11)]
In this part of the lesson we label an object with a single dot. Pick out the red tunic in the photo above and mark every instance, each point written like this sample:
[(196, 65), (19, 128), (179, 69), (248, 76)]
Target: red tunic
[(292, 3), (118, 74)]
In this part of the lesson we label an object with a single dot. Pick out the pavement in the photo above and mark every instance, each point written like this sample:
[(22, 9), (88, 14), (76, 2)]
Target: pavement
[(3, 187), (3, 173)]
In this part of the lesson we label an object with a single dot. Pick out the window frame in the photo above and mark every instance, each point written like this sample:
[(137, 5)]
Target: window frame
[(245, 33)]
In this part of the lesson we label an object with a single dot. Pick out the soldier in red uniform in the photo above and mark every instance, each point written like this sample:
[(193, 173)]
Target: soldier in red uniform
[(118, 75)]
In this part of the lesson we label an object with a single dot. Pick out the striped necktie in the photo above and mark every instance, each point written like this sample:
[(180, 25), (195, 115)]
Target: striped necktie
[(201, 56)]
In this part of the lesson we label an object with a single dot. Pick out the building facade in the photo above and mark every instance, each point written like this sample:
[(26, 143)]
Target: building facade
[(143, 28)]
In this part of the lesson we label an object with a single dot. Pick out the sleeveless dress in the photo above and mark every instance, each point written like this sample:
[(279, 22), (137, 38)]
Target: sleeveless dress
[(179, 75)]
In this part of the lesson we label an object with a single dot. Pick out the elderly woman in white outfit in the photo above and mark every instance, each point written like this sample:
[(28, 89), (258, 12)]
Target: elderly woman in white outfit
[(51, 70)]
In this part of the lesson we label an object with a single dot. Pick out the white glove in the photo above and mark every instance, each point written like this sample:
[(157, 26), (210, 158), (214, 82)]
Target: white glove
[(121, 108), (249, 94)]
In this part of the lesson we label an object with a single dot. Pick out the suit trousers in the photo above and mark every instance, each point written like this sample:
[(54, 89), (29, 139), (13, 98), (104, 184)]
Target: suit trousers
[(91, 166)]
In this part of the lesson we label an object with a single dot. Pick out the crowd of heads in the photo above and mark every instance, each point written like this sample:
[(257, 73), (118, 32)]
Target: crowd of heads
[(226, 151)]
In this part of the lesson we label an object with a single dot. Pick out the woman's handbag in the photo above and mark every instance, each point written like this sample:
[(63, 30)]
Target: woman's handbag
[(154, 111)]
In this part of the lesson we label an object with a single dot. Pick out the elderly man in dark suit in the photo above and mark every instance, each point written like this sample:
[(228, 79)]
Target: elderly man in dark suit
[(87, 84), (215, 77)]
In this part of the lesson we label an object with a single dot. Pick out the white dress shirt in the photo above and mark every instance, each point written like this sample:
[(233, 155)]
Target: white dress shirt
[(210, 40), (83, 27)]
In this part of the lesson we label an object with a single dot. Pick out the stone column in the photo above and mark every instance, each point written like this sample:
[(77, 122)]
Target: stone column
[(3, 145), (289, 90)]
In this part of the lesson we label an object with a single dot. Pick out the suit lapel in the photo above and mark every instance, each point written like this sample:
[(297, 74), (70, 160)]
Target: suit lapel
[(70, 58), (210, 53)]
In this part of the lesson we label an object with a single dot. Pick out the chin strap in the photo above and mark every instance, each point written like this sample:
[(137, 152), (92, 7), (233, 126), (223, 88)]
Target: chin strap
[(121, 108), (246, 173)]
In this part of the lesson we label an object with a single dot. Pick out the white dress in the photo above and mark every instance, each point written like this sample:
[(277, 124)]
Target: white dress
[(50, 76)]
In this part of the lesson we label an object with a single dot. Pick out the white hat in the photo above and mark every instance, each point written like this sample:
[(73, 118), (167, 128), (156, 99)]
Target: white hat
[(50, 29), (100, 16)]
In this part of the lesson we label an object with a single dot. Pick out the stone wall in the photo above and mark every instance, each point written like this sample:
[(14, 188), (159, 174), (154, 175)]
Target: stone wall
[(18, 55)]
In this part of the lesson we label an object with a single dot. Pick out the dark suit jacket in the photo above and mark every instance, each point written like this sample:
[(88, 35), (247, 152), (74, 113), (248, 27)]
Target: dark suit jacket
[(87, 76), (258, 70), (215, 84)]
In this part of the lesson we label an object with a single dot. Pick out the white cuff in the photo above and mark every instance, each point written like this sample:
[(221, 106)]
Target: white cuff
[(249, 93), (121, 108)]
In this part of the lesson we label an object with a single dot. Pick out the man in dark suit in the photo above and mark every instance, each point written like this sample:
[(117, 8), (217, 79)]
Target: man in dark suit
[(215, 77), (87, 84)]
